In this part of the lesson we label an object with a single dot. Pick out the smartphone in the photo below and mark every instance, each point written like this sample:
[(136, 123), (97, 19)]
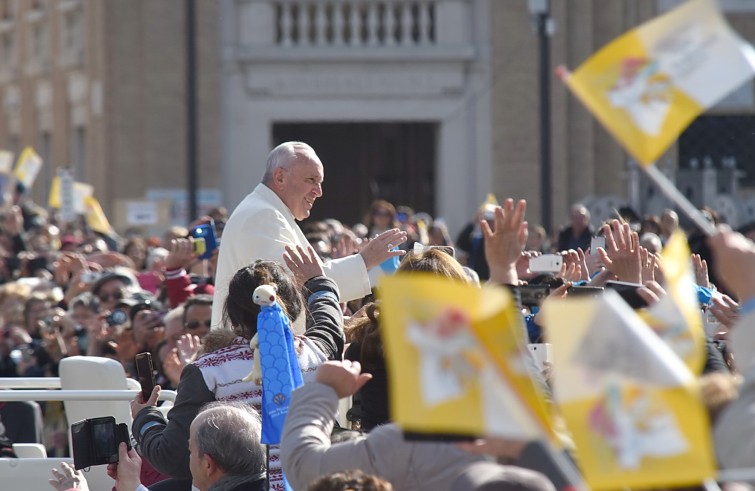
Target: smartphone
[(145, 372), (628, 292), (596, 242), (541, 352), (533, 295), (547, 263), (205, 231)]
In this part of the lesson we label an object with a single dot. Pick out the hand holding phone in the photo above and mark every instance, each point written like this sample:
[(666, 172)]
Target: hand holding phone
[(146, 374), (95, 441)]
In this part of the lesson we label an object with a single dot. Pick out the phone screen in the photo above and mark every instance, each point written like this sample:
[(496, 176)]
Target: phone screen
[(596, 242), (145, 373), (103, 435)]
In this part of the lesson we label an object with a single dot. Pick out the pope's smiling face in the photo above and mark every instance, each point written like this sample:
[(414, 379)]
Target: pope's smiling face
[(299, 185)]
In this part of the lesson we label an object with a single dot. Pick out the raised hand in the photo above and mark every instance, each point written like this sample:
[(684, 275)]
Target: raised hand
[(172, 367), (622, 253), (187, 347), (570, 271), (573, 267), (647, 262), (701, 271), (181, 254), (303, 265), (725, 310), (380, 249), (68, 478), (586, 271), (505, 244)]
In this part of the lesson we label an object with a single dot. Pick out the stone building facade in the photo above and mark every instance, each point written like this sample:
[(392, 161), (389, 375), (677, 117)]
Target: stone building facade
[(429, 103), (99, 87)]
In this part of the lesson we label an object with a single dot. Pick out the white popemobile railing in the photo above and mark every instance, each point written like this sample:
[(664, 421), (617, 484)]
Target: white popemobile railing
[(79, 388)]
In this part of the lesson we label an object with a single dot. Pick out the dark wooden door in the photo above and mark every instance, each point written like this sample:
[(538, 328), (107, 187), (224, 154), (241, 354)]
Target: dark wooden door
[(368, 161)]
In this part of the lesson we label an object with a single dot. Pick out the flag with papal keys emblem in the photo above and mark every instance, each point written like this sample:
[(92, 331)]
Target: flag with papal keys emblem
[(677, 318), (456, 359), (632, 406), (649, 84), (27, 167)]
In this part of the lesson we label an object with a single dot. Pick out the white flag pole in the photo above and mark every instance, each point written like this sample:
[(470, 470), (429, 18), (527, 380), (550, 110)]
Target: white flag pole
[(679, 199)]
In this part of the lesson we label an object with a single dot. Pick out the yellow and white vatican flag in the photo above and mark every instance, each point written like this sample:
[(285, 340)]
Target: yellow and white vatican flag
[(81, 191), (455, 358), (95, 217), (677, 318), (631, 405), (28, 166), (649, 84)]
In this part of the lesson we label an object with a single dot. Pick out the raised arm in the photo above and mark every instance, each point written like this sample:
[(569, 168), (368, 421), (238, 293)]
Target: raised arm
[(325, 318)]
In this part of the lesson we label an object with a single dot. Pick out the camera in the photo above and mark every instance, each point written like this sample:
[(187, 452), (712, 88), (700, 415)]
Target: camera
[(95, 441), (204, 233), (116, 318)]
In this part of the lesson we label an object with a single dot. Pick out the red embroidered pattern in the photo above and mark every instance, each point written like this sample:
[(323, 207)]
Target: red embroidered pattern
[(219, 358)]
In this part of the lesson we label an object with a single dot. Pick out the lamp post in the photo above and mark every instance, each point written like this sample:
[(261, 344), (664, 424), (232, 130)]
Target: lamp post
[(191, 111), (540, 12)]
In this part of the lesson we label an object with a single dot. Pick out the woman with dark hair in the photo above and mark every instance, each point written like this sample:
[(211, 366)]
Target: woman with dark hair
[(380, 217), (218, 375), (363, 332)]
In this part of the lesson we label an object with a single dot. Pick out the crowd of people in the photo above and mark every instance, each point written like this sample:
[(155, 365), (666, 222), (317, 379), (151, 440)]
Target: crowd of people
[(68, 291)]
